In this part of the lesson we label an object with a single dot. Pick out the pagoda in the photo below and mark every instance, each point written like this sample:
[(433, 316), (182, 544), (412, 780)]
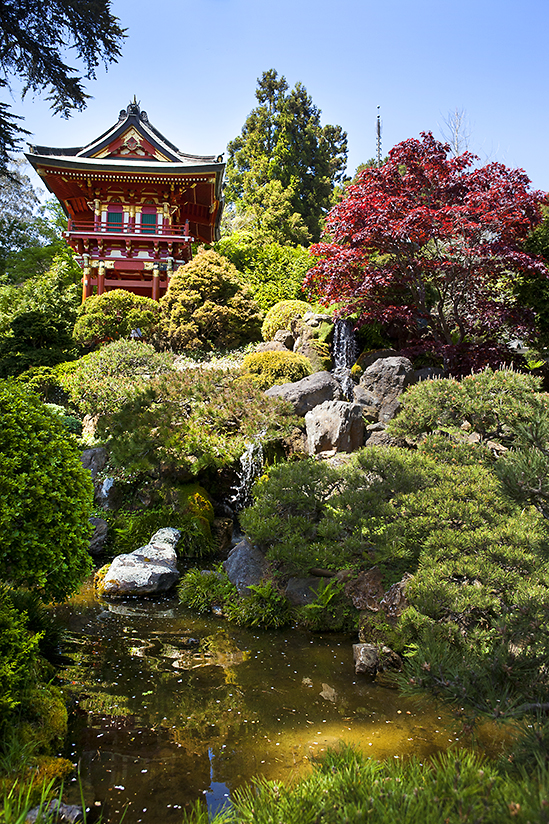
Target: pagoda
[(134, 203)]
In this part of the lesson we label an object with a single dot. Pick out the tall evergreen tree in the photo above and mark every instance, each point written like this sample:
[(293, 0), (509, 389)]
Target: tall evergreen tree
[(283, 140)]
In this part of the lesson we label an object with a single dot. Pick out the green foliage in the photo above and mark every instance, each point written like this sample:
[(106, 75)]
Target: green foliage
[(206, 306), (40, 621), (330, 611), (73, 424), (44, 381), (532, 289), (114, 315), (346, 786), (202, 589), (489, 402), (270, 368), (101, 382), (524, 471), (53, 294), (283, 150), (191, 421), (264, 606), (34, 339), (45, 498), (281, 315), (272, 272), (18, 656), (134, 529)]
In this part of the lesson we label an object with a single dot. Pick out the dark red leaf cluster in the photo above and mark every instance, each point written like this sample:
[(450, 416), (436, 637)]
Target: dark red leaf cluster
[(429, 245)]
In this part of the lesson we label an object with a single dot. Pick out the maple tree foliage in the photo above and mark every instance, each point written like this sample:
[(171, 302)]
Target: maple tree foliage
[(429, 246)]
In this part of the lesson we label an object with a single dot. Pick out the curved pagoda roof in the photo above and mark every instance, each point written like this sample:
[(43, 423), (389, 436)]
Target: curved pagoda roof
[(131, 151)]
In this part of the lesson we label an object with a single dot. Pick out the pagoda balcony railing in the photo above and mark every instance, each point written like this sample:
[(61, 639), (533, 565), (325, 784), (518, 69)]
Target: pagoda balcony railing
[(100, 229)]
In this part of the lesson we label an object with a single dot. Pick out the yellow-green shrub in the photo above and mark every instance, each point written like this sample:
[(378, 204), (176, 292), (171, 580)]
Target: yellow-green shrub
[(281, 314), (270, 368)]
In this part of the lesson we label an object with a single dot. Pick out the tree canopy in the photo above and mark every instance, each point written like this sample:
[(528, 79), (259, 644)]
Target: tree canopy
[(34, 37), (429, 247), (283, 140)]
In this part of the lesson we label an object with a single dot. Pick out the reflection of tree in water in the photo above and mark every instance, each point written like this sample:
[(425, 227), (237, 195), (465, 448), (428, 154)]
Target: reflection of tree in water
[(211, 703)]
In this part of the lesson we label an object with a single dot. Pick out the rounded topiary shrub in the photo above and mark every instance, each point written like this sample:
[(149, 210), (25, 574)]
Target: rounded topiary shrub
[(281, 314), (270, 368), (207, 307), (46, 497), (115, 315)]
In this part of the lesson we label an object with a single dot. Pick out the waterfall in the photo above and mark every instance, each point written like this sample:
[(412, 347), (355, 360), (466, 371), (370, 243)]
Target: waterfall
[(344, 353), (251, 467)]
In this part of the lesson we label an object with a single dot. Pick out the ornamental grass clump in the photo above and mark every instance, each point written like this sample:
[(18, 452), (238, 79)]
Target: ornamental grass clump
[(269, 368)]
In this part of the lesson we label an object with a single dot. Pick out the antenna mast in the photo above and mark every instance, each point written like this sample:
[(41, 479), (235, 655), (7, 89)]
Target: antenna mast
[(378, 139)]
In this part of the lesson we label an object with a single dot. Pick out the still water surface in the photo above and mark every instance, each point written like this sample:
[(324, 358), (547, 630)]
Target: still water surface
[(171, 706)]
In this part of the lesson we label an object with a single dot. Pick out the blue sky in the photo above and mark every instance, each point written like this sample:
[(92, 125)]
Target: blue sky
[(194, 67)]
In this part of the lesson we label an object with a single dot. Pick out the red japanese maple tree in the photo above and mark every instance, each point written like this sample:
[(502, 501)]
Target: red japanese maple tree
[(429, 247)]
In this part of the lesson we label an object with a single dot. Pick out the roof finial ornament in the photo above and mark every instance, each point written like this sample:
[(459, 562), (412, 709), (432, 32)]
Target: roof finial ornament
[(133, 107)]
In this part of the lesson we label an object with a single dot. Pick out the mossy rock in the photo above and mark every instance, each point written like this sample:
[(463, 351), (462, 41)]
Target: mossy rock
[(98, 579), (281, 315), (269, 368), (195, 500), (367, 358), (318, 353), (47, 724)]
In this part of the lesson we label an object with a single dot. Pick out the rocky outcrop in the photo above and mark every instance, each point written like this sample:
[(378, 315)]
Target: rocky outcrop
[(383, 383), (307, 393), (95, 460), (334, 426), (366, 658), (245, 565), (366, 589), (99, 535), (302, 591), (149, 570)]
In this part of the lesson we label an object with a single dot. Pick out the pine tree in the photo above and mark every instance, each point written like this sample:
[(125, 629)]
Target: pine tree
[(283, 140)]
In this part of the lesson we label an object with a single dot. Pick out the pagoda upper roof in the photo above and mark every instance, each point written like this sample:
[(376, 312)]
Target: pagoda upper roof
[(132, 142)]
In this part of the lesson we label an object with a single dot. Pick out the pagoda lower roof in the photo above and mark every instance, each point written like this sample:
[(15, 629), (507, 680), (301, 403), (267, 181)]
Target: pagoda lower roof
[(93, 164)]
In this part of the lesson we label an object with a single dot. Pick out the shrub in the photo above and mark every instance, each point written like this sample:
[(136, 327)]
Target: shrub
[(45, 498), (192, 421), (272, 272), (330, 611), (264, 606), (202, 589), (281, 314), (489, 402), (18, 655), (270, 368), (134, 529), (101, 382), (36, 338), (206, 306), (115, 315)]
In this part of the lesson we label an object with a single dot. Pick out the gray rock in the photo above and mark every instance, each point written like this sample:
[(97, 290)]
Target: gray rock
[(245, 565), (55, 811), (335, 426), (270, 346), (285, 337), (301, 591), (386, 379), (366, 658), (94, 459), (149, 570), (99, 535), (307, 393)]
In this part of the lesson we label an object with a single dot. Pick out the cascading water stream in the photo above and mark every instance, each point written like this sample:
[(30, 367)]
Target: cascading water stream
[(251, 467), (344, 354)]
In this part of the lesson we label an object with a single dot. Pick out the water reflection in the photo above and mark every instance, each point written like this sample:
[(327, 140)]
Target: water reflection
[(172, 707)]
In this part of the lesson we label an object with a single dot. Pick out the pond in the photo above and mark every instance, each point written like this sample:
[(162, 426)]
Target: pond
[(171, 707)]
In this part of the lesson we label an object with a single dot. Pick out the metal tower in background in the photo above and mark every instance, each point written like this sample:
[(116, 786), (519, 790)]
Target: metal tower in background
[(378, 139)]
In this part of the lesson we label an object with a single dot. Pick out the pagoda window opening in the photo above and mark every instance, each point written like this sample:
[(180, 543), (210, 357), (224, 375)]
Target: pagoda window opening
[(115, 217), (148, 220)]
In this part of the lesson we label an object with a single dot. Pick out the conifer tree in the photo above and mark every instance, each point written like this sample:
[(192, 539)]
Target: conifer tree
[(283, 140)]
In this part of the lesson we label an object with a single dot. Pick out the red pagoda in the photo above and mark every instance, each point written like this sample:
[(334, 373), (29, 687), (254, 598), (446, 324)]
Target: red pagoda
[(134, 203)]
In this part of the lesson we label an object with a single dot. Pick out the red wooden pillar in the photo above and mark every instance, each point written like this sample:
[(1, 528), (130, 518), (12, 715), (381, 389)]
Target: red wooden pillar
[(156, 283), (101, 278)]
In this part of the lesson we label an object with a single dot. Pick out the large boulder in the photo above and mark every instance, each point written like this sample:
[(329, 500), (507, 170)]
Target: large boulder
[(302, 591), (383, 383), (309, 392), (149, 570), (245, 565), (95, 460), (99, 535), (334, 426)]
